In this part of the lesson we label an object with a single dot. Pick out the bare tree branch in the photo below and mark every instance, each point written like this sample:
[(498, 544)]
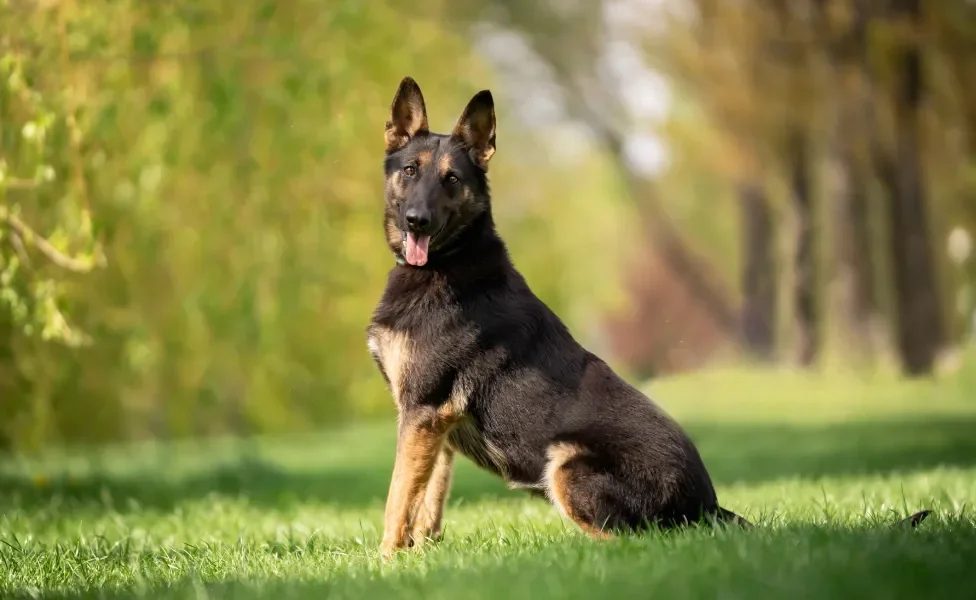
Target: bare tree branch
[(45, 247), (19, 184)]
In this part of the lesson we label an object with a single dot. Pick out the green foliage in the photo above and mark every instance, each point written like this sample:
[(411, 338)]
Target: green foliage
[(190, 238), (36, 127), (221, 164)]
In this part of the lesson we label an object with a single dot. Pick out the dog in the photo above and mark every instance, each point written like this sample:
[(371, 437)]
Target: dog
[(479, 366)]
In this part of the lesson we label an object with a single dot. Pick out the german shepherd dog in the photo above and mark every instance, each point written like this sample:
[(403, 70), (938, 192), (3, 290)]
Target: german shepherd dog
[(478, 365)]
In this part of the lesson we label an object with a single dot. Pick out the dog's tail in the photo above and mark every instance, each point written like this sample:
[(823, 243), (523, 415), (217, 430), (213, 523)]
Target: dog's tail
[(913, 520), (727, 516)]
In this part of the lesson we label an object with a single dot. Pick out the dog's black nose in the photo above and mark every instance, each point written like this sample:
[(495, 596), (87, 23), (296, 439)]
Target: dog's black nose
[(417, 219)]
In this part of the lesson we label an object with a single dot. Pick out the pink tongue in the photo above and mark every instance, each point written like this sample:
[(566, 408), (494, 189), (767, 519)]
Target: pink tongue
[(417, 249)]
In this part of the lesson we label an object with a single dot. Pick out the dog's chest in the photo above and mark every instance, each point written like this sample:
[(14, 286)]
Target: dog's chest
[(396, 354)]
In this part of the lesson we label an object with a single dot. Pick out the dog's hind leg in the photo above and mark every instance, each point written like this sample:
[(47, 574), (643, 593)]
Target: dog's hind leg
[(573, 487)]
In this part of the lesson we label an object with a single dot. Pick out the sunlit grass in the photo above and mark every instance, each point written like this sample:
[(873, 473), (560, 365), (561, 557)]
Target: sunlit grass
[(824, 465)]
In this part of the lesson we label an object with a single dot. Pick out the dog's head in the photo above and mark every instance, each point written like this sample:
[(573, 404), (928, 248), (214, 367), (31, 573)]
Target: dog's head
[(436, 184)]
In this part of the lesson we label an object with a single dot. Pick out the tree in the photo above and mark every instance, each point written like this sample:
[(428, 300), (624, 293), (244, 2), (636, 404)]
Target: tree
[(919, 322), (806, 270), (858, 299), (759, 289)]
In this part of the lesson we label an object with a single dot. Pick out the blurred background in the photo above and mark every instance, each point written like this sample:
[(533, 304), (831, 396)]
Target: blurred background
[(191, 194)]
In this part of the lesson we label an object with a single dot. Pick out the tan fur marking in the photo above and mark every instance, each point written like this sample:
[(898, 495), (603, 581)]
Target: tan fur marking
[(394, 194), (393, 350), (424, 159), (418, 116), (444, 164), (498, 458), (396, 184), (487, 154), (417, 450), (458, 400), (557, 486), (393, 234), (394, 139), (558, 455), (429, 520), (420, 446)]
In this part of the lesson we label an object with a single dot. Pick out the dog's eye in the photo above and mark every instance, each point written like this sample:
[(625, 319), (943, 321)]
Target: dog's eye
[(410, 171), (452, 179)]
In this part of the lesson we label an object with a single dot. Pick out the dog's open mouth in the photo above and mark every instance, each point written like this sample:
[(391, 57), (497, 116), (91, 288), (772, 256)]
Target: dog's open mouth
[(416, 249)]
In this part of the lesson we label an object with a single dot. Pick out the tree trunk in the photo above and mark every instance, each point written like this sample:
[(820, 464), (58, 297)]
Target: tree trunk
[(806, 313), (919, 320), (857, 301), (759, 276)]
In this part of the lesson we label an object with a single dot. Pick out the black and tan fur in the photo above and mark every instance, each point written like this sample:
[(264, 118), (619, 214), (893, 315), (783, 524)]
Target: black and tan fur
[(479, 366)]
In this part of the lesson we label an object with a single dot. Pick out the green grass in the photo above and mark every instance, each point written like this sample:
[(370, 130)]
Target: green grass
[(823, 464)]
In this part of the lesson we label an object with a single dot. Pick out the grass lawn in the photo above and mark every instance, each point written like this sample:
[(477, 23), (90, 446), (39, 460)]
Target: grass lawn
[(823, 464)]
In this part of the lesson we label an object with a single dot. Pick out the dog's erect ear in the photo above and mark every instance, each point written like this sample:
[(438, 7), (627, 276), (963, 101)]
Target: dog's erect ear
[(408, 115), (476, 128)]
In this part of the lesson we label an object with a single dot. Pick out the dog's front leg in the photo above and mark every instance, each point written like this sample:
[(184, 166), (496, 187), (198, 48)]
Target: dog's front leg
[(428, 522), (419, 441)]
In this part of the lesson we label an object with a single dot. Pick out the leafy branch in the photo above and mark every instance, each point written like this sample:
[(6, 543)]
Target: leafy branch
[(42, 245)]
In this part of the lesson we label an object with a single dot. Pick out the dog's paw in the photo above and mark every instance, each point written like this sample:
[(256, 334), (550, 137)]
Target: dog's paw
[(389, 548), (423, 537)]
